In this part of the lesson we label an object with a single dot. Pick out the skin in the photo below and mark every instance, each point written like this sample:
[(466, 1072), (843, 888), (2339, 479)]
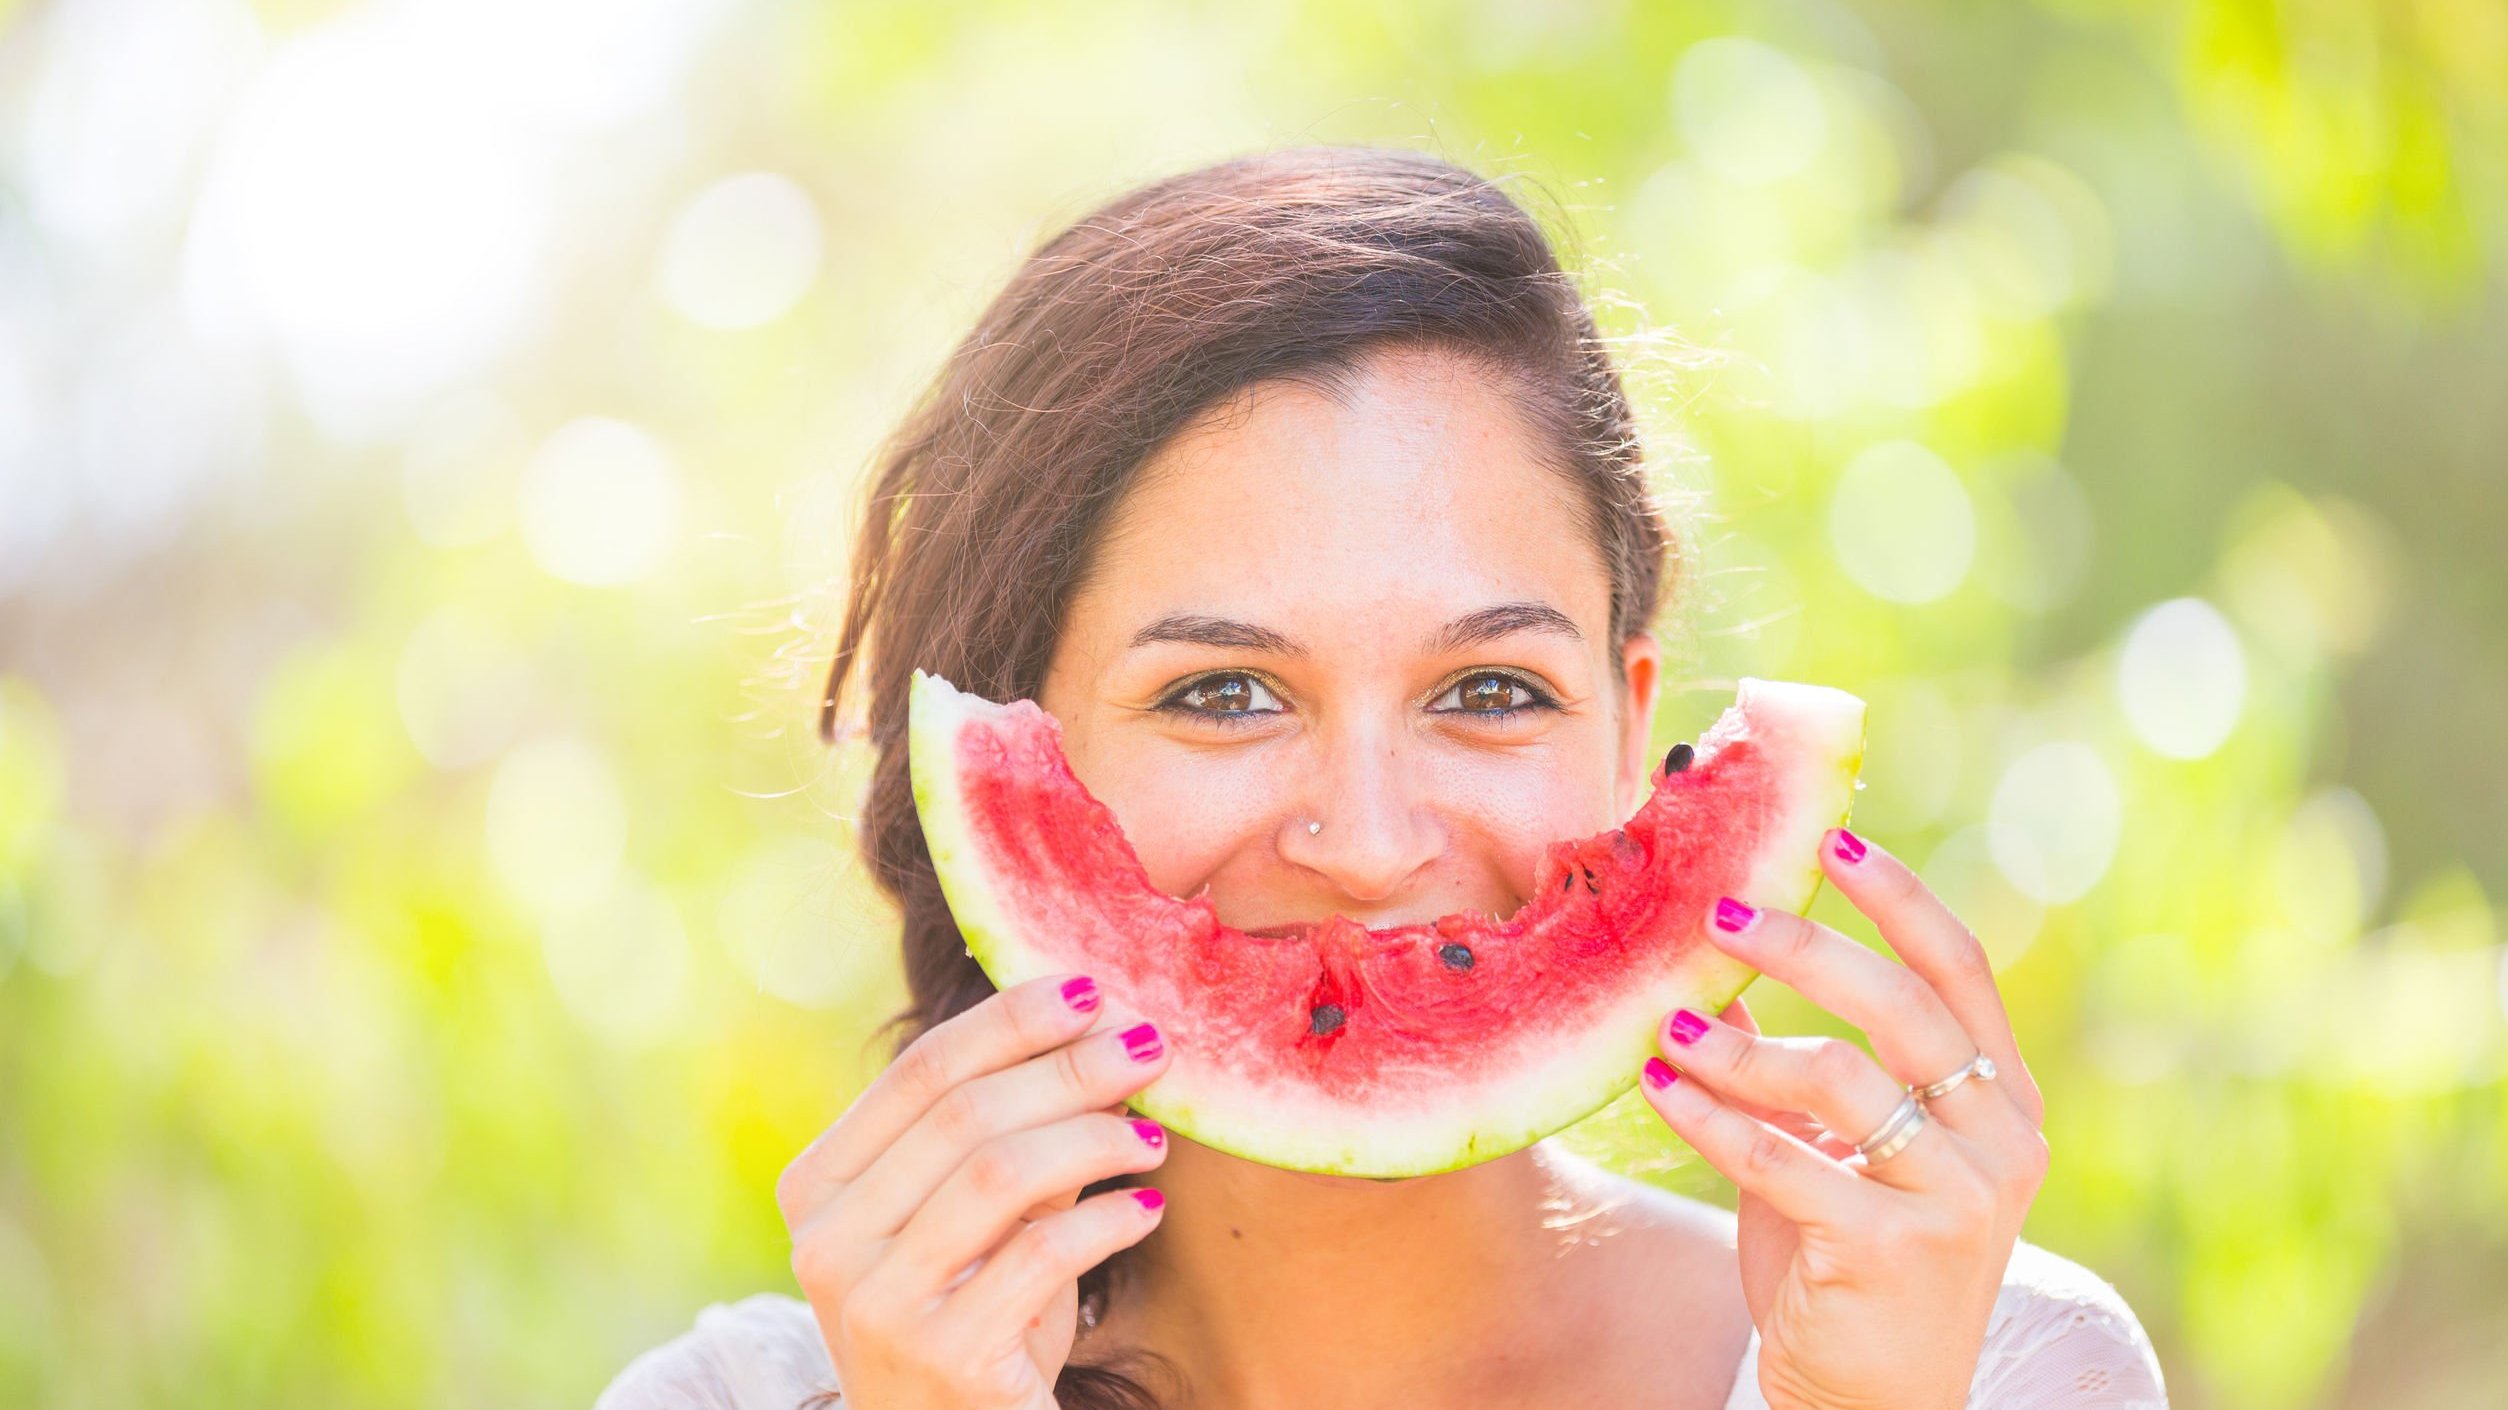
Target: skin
[(1345, 541)]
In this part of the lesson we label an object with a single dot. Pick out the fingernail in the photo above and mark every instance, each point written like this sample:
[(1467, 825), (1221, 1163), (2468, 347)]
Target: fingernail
[(1141, 1040), (1151, 1133), (1849, 848), (1080, 993), (1733, 915), (1659, 1074), (1686, 1027), (1151, 1200)]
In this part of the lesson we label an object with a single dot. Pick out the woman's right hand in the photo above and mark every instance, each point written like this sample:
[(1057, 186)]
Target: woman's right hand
[(937, 1229)]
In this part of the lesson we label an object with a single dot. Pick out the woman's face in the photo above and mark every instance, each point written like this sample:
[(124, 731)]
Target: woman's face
[(1390, 619)]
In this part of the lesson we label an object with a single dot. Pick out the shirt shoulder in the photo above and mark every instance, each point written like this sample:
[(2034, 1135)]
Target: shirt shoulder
[(2060, 1338), (760, 1353)]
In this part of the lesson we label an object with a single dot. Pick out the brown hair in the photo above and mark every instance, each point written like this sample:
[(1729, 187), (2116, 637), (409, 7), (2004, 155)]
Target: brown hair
[(1296, 263)]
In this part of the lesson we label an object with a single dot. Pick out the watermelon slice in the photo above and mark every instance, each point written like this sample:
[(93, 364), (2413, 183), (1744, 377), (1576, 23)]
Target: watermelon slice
[(1410, 1049)]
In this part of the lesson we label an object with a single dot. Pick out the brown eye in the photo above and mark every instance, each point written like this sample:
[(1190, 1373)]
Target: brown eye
[(1230, 693), (1490, 693)]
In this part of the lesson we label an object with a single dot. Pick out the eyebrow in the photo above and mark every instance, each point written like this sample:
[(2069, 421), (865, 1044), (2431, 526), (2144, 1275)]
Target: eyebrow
[(1471, 629), (1505, 619)]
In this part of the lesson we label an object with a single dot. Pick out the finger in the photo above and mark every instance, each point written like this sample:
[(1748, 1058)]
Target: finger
[(1796, 1180), (1914, 1034), (1801, 1125), (1064, 1199), (1020, 1281), (1831, 1079), (1009, 1027), (1798, 1124), (1938, 945), (1074, 1079), (983, 1200)]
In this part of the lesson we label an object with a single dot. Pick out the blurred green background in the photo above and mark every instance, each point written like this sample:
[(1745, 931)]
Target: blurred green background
[(428, 440)]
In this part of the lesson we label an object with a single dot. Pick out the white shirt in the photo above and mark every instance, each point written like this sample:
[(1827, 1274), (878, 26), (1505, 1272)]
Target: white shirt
[(2060, 1336)]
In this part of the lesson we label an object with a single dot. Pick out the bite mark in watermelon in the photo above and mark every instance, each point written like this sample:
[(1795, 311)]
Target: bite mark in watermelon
[(1405, 1050)]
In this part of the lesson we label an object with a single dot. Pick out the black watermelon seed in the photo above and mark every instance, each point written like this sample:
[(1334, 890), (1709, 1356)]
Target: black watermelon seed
[(1678, 759), (1326, 1018), (1589, 883), (1456, 956), (1567, 879)]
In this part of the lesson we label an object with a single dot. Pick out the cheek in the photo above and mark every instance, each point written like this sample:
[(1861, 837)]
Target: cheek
[(1191, 815), (1505, 810)]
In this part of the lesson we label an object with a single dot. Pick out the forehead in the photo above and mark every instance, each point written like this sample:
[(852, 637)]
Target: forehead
[(1419, 490)]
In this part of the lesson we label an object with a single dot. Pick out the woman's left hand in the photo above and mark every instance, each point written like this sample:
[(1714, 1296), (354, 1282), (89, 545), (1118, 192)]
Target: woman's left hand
[(1871, 1285)]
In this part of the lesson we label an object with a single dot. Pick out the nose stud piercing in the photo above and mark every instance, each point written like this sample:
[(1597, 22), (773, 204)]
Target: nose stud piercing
[(1314, 827)]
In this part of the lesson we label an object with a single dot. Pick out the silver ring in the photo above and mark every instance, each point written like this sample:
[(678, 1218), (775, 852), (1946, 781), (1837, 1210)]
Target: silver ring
[(1902, 1125), (1978, 1066)]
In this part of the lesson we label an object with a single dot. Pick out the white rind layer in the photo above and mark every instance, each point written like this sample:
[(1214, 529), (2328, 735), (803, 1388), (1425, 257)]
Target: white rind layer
[(1827, 751), (1555, 1078), (934, 711)]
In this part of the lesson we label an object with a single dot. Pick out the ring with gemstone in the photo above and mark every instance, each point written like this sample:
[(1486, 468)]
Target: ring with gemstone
[(1979, 1066)]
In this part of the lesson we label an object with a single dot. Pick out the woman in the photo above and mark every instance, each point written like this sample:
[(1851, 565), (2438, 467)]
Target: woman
[(1301, 490)]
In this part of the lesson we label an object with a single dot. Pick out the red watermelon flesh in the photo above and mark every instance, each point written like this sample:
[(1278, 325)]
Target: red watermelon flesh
[(1402, 1050)]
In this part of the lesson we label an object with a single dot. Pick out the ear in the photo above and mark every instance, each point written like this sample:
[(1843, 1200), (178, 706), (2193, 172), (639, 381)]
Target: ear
[(1641, 663)]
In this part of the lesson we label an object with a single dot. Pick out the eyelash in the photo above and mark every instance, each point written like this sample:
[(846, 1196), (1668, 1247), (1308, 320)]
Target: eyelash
[(1174, 704)]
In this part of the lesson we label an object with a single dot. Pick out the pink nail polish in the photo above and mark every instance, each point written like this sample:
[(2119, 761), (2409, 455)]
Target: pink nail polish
[(1141, 1040), (1151, 1133), (1686, 1027), (1080, 993), (1732, 915), (1849, 848), (1151, 1200), (1659, 1074)]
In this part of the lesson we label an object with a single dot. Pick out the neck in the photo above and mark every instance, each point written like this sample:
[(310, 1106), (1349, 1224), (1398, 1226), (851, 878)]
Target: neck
[(1441, 1290)]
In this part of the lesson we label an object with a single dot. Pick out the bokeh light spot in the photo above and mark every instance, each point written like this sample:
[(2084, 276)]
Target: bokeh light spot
[(2032, 237), (1925, 345), (620, 963), (600, 503), (1901, 523), (2182, 678), (2306, 577), (556, 823), (2055, 820), (2329, 873), (741, 253), (1748, 110), (367, 214), (462, 687), (581, 65)]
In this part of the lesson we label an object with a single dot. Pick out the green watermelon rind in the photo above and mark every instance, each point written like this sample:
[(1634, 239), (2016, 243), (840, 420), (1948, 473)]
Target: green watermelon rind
[(1550, 1098)]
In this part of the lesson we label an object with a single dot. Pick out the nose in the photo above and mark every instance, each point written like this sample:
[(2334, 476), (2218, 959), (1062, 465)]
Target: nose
[(1378, 823)]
